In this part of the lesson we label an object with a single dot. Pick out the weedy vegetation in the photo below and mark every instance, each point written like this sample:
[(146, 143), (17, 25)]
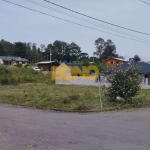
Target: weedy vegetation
[(28, 88)]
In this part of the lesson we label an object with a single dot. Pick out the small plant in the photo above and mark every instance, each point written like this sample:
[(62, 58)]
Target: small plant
[(73, 97), (19, 65), (3, 70), (124, 83), (70, 98), (4, 81), (14, 80), (26, 66)]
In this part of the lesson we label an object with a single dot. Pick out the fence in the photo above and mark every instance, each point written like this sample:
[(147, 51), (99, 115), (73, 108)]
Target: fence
[(78, 80)]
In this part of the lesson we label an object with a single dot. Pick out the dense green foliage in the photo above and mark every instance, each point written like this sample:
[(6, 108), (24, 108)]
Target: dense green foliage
[(136, 58), (64, 51), (124, 84), (60, 51), (20, 49), (105, 49), (15, 75)]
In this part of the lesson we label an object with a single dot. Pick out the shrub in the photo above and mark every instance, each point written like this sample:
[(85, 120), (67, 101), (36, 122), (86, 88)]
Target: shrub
[(14, 75), (26, 66), (14, 80), (3, 70), (19, 65), (28, 79), (124, 84), (4, 81), (70, 98)]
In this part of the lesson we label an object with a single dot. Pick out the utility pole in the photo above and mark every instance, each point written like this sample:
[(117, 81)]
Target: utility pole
[(93, 57), (99, 91), (50, 54)]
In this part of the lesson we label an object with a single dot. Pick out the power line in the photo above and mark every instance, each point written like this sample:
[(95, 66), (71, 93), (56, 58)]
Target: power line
[(82, 19), (145, 2), (73, 22), (96, 18)]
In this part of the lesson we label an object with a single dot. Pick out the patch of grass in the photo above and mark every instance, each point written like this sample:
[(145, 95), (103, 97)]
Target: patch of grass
[(82, 107), (25, 87), (65, 97), (70, 98), (15, 75)]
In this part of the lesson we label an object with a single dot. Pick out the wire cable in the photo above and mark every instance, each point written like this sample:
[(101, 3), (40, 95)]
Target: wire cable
[(82, 19), (96, 18), (145, 2), (73, 22)]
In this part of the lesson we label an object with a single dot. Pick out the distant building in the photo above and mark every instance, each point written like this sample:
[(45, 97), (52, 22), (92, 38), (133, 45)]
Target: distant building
[(144, 70), (12, 60), (47, 65), (112, 61)]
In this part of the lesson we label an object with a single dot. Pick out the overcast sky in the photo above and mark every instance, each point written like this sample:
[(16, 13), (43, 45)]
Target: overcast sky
[(18, 24)]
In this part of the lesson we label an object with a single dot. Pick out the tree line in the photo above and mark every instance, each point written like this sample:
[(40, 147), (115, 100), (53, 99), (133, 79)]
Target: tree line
[(60, 51)]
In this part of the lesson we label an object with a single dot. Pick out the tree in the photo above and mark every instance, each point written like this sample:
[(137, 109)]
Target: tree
[(7, 47), (29, 51), (136, 58), (63, 51), (20, 49), (85, 62), (109, 51), (84, 56), (105, 49), (35, 53), (75, 51), (42, 48), (100, 46), (124, 84), (58, 49), (94, 59), (1, 50)]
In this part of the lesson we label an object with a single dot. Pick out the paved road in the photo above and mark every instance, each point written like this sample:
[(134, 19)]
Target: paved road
[(45, 130)]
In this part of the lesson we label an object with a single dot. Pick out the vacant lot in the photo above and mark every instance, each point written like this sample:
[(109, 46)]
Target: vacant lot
[(65, 97)]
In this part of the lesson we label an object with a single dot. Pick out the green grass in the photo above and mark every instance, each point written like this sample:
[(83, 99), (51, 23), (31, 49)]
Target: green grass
[(15, 75), (65, 97), (28, 88)]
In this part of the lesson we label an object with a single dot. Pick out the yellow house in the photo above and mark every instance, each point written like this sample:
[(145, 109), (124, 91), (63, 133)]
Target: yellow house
[(12, 60)]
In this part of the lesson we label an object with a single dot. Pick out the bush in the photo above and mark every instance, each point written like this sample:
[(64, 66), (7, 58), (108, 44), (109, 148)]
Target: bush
[(3, 70), (19, 65), (70, 98), (14, 80), (4, 75), (14, 75), (124, 84), (27, 79), (4, 81)]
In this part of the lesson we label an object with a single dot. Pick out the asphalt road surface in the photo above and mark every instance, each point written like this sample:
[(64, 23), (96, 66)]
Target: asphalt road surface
[(22, 129)]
